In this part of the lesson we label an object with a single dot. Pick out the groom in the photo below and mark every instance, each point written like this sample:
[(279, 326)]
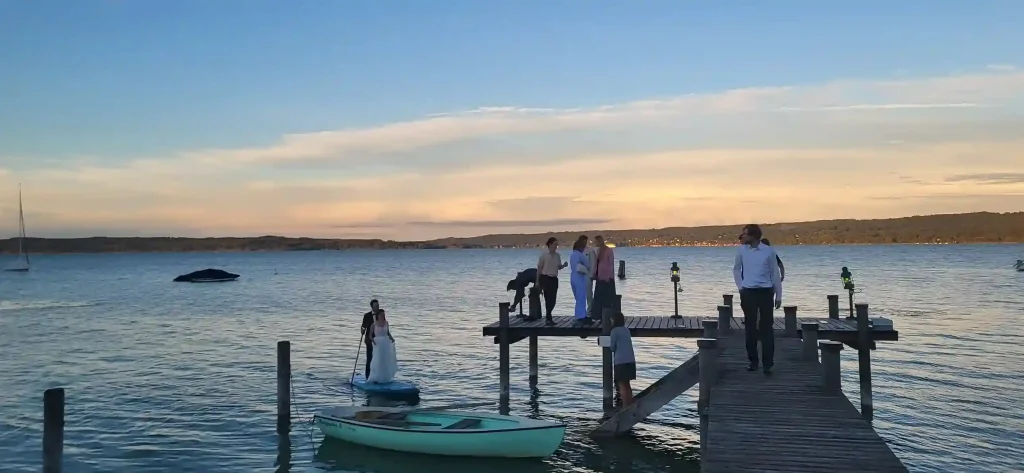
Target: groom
[(368, 319)]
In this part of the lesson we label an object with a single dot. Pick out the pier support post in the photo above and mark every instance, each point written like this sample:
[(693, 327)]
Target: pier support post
[(832, 381), (724, 320), (789, 312), (606, 361), (284, 384), (503, 356), (727, 299), (707, 348), (810, 337), (622, 269), (710, 328), (617, 304), (533, 361), (864, 359), (53, 430), (833, 306)]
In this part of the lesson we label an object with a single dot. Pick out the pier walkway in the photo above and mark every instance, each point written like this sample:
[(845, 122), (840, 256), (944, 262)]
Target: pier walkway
[(786, 421)]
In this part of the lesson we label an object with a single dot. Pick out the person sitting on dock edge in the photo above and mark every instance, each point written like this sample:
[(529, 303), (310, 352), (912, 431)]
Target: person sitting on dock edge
[(368, 319), (519, 284), (758, 279), (623, 361)]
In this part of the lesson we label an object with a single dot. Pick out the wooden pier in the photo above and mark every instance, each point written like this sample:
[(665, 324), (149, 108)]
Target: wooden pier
[(796, 420)]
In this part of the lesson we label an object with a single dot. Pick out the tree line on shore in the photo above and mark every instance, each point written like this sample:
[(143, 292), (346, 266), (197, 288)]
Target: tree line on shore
[(978, 227)]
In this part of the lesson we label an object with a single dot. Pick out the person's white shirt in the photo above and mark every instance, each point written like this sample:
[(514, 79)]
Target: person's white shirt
[(756, 267), (591, 254)]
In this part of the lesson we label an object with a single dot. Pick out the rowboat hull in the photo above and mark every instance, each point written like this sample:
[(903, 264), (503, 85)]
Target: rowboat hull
[(494, 435)]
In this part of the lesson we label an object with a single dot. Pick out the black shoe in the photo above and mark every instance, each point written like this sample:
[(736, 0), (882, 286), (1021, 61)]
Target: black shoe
[(549, 321), (767, 370), (752, 367)]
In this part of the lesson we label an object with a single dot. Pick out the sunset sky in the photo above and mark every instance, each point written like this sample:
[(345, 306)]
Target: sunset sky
[(415, 119)]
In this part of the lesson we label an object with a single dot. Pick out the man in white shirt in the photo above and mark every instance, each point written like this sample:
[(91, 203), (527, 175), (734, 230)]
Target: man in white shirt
[(759, 281), (591, 253)]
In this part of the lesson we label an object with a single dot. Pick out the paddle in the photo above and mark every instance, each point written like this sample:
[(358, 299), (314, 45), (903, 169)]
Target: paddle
[(356, 363)]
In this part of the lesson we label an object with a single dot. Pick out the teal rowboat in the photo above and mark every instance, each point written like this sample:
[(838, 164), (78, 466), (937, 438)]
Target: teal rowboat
[(442, 432)]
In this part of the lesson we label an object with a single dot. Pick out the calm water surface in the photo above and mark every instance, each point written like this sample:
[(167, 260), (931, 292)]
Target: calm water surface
[(175, 377)]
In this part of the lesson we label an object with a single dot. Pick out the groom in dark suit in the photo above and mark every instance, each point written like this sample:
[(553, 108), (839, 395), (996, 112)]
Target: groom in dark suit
[(368, 319)]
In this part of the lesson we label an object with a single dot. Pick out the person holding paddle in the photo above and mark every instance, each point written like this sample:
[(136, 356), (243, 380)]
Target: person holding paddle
[(368, 319)]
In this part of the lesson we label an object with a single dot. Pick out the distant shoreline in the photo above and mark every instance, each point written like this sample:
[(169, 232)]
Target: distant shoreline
[(968, 228)]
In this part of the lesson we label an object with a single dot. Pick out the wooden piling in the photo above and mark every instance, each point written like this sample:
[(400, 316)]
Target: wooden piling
[(708, 352), (622, 269), (864, 361), (789, 312), (810, 338), (727, 299), (53, 430), (284, 384), (724, 320), (833, 306), (617, 304), (710, 328), (503, 355), (606, 361), (832, 380), (533, 361)]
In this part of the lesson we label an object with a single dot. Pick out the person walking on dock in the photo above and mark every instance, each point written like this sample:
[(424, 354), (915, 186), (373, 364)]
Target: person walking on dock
[(759, 281), (578, 280), (547, 275), (604, 277), (368, 319)]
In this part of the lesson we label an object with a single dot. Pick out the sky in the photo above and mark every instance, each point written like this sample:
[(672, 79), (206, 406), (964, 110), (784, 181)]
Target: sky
[(416, 120)]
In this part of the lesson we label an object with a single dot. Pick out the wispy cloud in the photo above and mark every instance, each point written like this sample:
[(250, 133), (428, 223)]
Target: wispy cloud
[(851, 148)]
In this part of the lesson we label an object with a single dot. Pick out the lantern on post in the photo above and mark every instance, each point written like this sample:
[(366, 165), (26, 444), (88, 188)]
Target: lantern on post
[(848, 285), (675, 288)]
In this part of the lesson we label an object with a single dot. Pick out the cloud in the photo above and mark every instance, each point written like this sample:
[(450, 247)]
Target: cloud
[(990, 178), (1001, 67), (849, 148)]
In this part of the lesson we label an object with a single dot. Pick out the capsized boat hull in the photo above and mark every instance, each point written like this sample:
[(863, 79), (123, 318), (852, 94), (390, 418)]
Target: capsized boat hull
[(494, 435)]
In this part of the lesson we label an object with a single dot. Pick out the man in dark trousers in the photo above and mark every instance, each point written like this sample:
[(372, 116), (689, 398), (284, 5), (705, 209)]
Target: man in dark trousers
[(523, 279), (368, 319), (759, 281)]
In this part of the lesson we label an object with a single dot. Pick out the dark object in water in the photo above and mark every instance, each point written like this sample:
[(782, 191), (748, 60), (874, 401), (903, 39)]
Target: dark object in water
[(207, 275)]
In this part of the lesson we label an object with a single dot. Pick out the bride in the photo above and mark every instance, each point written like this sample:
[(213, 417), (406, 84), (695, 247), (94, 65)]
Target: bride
[(384, 364)]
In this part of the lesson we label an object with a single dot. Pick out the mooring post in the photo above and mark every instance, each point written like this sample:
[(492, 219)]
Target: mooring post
[(284, 384), (810, 334), (867, 410), (833, 306), (53, 430), (533, 361), (832, 381), (727, 299), (707, 348), (710, 328), (606, 361), (503, 356), (622, 269), (789, 312), (617, 304), (724, 320)]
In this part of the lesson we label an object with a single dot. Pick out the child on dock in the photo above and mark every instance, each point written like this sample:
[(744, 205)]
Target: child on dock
[(624, 363)]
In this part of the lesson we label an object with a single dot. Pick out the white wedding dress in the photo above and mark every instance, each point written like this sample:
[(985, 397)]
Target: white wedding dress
[(384, 364)]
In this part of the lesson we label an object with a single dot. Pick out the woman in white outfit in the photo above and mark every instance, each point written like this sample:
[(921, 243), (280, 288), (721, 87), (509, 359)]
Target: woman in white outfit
[(384, 365)]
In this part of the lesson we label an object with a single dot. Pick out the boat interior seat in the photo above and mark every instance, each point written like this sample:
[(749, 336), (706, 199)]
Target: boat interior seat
[(464, 424), (393, 416)]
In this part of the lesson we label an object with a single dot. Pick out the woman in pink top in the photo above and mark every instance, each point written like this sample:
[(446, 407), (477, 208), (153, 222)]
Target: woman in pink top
[(604, 277)]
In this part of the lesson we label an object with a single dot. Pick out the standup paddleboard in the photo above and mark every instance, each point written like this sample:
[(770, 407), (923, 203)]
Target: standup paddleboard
[(395, 387)]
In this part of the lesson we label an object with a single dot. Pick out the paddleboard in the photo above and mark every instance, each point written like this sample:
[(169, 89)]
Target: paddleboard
[(396, 387)]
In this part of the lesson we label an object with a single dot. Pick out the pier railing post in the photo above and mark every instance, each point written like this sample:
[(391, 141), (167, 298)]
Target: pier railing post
[(864, 359), (53, 430), (833, 306), (810, 337), (727, 299), (284, 384), (832, 381), (789, 312), (617, 304), (724, 320), (503, 355), (710, 328), (707, 348), (533, 361), (606, 361)]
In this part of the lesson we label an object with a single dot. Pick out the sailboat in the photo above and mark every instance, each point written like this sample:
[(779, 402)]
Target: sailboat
[(22, 263)]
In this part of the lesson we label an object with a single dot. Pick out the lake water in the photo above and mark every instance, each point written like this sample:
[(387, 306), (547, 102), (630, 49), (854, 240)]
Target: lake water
[(177, 377)]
